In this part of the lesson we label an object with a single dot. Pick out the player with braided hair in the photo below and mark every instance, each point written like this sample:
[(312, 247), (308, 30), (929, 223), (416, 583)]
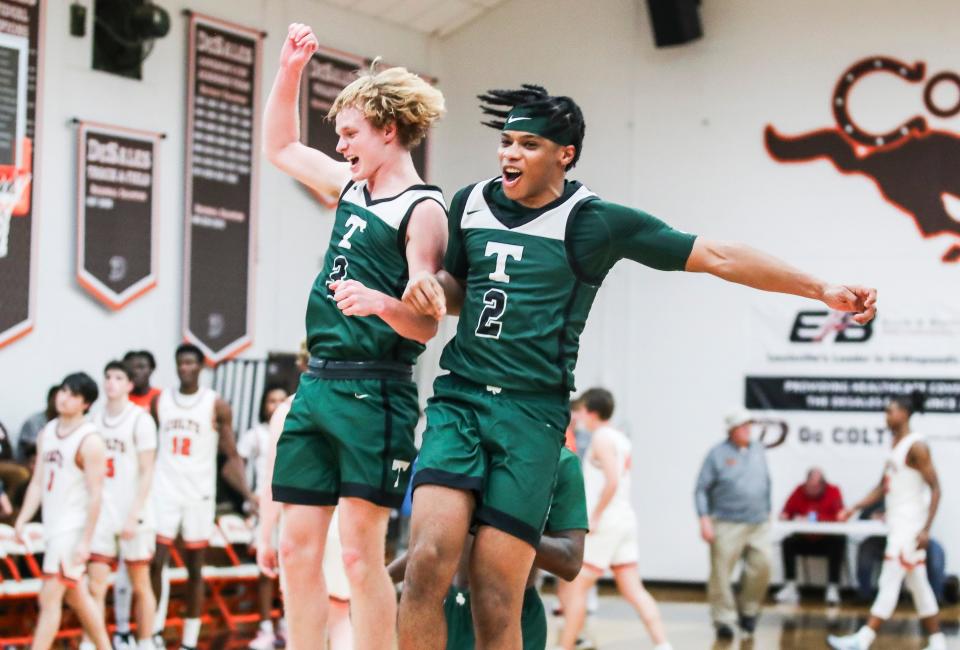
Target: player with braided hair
[(527, 251)]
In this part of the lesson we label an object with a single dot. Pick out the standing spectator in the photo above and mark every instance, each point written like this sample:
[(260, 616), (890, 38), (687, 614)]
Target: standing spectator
[(816, 500), (141, 364), (27, 440), (733, 502)]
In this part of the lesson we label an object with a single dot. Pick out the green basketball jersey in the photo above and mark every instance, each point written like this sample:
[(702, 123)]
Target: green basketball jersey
[(368, 245), (568, 507), (525, 305)]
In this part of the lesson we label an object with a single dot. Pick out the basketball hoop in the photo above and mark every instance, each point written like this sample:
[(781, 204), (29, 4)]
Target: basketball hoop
[(11, 194)]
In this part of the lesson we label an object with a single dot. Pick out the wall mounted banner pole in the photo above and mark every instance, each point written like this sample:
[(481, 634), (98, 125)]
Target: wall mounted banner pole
[(222, 145), (21, 84), (117, 212)]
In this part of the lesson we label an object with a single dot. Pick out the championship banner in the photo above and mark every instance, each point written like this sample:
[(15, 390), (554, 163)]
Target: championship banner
[(21, 60), (819, 384), (222, 145), (117, 215), (327, 73)]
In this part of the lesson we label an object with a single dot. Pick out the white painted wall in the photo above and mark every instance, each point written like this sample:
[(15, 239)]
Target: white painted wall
[(72, 330), (678, 132)]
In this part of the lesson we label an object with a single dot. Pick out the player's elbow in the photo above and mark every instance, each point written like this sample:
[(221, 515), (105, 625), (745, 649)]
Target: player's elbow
[(569, 569), (713, 257)]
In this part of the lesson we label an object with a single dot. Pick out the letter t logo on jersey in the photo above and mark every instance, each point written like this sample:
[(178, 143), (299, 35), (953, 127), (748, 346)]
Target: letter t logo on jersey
[(503, 251), (398, 467), (353, 223)]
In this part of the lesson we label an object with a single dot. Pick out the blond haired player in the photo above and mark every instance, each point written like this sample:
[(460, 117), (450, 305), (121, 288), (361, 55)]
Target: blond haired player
[(348, 439), (126, 525), (67, 482)]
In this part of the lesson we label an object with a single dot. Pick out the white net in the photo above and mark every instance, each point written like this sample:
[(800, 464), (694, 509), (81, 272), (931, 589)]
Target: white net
[(11, 191)]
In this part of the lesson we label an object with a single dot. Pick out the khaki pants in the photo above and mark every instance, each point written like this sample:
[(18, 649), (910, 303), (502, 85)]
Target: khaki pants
[(734, 541)]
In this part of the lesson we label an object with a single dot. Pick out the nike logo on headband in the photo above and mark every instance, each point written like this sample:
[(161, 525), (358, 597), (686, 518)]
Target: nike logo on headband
[(517, 119)]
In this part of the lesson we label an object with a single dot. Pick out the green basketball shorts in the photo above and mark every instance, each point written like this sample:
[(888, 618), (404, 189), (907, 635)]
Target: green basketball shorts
[(347, 438), (502, 447), (457, 610)]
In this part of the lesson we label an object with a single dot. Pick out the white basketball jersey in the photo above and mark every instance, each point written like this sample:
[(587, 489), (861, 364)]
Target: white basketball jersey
[(594, 480), (65, 497), (186, 446), (907, 494), (125, 435)]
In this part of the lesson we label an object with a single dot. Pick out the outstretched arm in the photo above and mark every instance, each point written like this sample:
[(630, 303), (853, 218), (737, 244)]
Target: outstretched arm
[(281, 123), (744, 265), (561, 553), (872, 497)]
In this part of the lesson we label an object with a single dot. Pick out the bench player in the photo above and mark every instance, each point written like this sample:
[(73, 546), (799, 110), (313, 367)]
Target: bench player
[(194, 425), (68, 483)]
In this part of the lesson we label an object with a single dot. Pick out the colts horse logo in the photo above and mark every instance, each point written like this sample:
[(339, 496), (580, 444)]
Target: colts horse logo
[(915, 168)]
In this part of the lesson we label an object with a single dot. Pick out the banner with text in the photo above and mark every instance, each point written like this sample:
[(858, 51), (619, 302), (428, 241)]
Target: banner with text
[(820, 382), (117, 217), (21, 63), (222, 144)]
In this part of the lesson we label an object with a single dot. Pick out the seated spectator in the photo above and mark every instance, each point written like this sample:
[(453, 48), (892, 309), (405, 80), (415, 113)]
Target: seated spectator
[(27, 440), (870, 559), (816, 500)]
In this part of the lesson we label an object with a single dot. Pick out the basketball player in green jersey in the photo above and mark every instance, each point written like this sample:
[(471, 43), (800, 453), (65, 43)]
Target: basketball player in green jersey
[(527, 252), (560, 551), (348, 439)]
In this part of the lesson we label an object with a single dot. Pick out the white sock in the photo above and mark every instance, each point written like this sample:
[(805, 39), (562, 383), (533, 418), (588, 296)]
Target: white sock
[(87, 644), (191, 632), (789, 583), (146, 644), (664, 646), (937, 641), (866, 636), (122, 597), (267, 626)]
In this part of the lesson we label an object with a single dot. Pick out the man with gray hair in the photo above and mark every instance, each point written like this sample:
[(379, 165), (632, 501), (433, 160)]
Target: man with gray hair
[(733, 503)]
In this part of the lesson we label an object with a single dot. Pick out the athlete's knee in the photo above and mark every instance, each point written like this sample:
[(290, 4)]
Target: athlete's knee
[(98, 586), (294, 552), (496, 609), (359, 566)]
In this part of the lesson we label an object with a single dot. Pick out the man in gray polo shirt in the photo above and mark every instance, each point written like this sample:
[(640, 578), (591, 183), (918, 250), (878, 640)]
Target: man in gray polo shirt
[(733, 503)]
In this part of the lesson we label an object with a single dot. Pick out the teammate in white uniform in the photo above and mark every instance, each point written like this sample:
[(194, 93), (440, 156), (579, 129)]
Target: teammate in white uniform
[(339, 629), (126, 526), (912, 493), (611, 543), (252, 447), (194, 424), (67, 482)]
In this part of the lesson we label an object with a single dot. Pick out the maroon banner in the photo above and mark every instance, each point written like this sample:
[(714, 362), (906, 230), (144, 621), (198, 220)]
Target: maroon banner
[(117, 199), (21, 59), (222, 143)]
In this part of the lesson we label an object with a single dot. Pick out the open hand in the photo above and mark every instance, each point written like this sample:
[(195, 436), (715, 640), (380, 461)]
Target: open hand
[(862, 301), (298, 47), (425, 294)]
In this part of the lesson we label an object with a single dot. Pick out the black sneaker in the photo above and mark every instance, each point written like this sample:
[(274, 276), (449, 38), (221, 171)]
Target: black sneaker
[(124, 641), (748, 624), (724, 632)]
